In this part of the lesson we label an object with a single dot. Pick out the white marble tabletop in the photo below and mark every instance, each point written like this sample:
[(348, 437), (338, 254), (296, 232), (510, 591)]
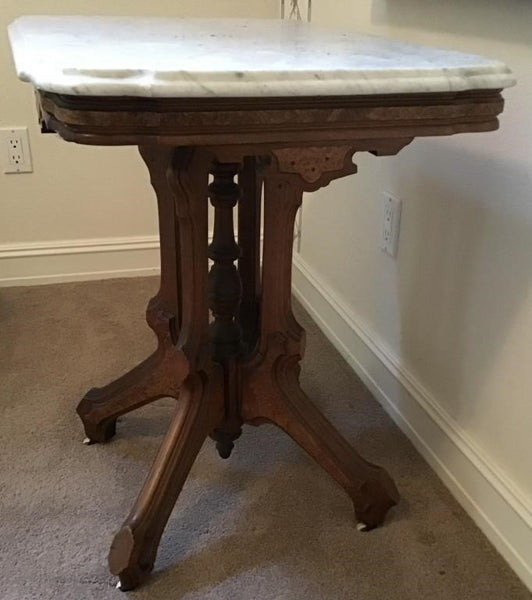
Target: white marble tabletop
[(163, 57)]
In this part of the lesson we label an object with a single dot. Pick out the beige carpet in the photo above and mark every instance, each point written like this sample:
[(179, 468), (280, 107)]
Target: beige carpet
[(265, 524)]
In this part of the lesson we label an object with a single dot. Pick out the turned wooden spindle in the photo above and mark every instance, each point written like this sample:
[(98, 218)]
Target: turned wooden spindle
[(225, 295)]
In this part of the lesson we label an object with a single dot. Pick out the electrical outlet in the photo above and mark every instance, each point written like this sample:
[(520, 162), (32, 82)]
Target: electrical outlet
[(391, 221), (15, 147)]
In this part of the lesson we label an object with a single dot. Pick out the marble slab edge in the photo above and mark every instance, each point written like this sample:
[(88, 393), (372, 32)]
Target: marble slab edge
[(60, 55)]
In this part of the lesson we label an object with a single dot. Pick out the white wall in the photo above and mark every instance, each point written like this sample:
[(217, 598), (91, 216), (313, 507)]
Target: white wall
[(442, 334), (84, 210)]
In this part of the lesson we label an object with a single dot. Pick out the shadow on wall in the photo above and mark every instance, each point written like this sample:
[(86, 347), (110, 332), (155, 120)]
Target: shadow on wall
[(492, 19), (465, 275)]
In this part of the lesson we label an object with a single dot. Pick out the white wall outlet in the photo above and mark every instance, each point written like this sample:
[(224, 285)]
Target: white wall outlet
[(15, 150), (391, 222)]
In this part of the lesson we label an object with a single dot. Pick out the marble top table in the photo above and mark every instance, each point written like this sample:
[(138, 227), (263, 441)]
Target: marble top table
[(263, 108), (232, 58)]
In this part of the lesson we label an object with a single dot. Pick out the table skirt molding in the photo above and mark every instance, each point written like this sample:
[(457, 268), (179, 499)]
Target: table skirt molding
[(496, 504)]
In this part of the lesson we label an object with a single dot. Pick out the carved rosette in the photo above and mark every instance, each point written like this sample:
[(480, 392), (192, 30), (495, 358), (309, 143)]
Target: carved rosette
[(316, 165)]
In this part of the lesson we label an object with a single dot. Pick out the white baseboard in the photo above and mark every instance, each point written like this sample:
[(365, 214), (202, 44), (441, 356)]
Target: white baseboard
[(78, 260), (495, 503)]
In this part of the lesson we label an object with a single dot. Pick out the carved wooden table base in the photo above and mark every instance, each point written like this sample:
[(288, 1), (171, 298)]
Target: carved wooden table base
[(244, 366)]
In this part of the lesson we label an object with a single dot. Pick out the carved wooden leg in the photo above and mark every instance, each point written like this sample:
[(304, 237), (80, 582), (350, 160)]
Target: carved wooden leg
[(163, 312), (161, 374), (151, 379), (200, 404), (274, 395), (134, 547), (270, 381)]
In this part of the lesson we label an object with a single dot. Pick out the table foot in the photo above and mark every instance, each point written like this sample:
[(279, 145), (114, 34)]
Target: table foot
[(160, 375), (98, 433), (133, 574), (225, 441), (273, 394), (134, 547), (374, 498)]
